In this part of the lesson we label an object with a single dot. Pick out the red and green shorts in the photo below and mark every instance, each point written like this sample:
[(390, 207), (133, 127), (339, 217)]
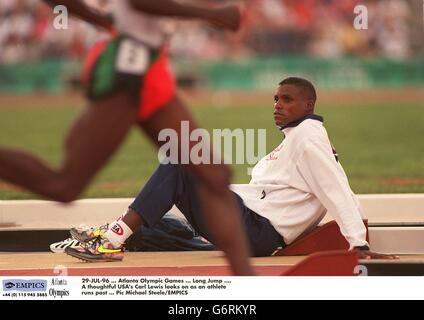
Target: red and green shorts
[(125, 64)]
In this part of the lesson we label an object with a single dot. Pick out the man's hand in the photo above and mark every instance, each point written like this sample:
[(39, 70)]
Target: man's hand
[(368, 255)]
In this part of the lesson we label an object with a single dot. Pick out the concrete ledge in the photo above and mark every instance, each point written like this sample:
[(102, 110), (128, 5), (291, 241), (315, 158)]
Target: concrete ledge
[(396, 221), (394, 209), (39, 215), (34, 214), (397, 240)]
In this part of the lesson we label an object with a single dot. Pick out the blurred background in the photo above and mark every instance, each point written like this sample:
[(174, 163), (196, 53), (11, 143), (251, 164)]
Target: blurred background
[(370, 84), (307, 33)]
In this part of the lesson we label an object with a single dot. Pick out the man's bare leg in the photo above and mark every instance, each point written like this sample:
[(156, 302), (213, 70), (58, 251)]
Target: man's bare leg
[(93, 138), (221, 212)]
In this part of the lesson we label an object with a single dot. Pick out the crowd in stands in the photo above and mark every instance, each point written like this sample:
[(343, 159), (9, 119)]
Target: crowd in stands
[(27, 33), (322, 28), (325, 28)]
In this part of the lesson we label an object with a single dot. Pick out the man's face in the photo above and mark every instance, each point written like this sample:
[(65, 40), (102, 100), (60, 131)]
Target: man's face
[(290, 104)]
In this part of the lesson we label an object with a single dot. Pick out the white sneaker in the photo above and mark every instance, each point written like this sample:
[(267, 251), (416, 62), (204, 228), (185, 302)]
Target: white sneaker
[(59, 247)]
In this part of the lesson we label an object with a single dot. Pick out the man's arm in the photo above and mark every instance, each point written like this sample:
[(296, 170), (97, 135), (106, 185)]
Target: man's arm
[(321, 172), (224, 16), (84, 12)]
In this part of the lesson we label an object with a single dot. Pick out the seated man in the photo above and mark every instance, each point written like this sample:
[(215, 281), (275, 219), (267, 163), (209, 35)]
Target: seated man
[(290, 191)]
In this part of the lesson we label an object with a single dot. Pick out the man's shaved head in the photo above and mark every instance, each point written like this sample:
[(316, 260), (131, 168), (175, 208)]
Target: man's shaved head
[(306, 86)]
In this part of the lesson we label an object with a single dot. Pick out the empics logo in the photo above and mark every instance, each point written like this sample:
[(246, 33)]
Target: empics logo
[(9, 285), (25, 285)]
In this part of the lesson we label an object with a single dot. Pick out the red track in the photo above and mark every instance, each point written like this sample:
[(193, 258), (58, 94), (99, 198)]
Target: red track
[(145, 271)]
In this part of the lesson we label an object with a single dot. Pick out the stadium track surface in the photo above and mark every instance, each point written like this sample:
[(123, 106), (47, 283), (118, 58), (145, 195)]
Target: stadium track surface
[(137, 264), (357, 97), (160, 264)]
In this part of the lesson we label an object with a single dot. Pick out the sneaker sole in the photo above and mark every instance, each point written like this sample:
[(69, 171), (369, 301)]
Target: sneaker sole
[(89, 257), (60, 247)]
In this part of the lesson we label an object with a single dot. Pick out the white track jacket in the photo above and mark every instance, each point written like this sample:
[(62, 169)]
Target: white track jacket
[(300, 181)]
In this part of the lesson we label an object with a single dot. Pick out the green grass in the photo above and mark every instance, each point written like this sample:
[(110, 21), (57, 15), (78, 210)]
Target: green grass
[(376, 144)]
